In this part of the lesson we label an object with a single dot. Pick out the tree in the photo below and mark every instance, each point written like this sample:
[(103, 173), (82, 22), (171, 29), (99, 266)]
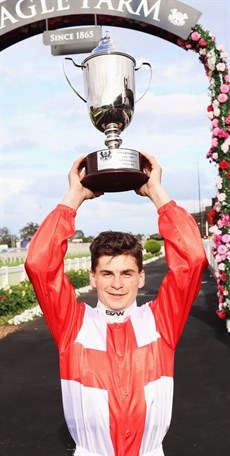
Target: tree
[(27, 232), (6, 237), (78, 235), (156, 236)]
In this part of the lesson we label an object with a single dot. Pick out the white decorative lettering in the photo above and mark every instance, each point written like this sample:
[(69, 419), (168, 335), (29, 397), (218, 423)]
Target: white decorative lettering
[(125, 3), (61, 37), (44, 7), (108, 3), (19, 12), (85, 4), (156, 8), (5, 15), (61, 7)]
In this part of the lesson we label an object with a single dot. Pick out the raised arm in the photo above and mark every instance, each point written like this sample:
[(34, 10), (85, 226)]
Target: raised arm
[(185, 258), (77, 192), (45, 261), (153, 188)]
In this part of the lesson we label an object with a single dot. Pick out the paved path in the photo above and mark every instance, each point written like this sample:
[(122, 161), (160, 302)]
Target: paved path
[(31, 417)]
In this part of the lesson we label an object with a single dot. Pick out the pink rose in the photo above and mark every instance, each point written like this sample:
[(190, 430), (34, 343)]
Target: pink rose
[(195, 36), (218, 239), (222, 134), (227, 77), (227, 120), (222, 97), (226, 238), (214, 142), (224, 88), (216, 131), (222, 249), (215, 122)]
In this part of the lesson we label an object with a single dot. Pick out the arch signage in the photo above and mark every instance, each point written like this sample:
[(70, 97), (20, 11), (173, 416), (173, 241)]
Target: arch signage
[(20, 19)]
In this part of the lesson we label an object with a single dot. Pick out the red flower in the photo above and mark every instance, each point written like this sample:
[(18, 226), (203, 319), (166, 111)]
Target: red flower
[(223, 276), (209, 108), (202, 42), (212, 217), (228, 174), (221, 314), (3, 298), (224, 164), (181, 42)]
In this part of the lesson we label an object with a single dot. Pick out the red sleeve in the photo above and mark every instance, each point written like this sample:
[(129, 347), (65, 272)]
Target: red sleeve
[(45, 269), (186, 260)]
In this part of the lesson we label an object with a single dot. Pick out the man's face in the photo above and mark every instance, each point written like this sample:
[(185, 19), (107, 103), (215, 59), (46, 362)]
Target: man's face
[(117, 280)]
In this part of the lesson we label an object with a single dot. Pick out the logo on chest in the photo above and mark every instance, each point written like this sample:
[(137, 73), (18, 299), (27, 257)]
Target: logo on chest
[(111, 313)]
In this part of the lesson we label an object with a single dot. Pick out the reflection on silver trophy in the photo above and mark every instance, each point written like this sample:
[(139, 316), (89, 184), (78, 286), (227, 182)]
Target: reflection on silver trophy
[(110, 96)]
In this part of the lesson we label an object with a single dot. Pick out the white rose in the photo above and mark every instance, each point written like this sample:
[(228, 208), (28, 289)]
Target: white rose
[(221, 66)]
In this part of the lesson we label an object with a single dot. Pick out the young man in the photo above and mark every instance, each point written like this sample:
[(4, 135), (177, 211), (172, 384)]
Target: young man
[(116, 361)]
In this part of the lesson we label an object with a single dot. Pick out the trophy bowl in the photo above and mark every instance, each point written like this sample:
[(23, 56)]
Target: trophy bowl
[(109, 85)]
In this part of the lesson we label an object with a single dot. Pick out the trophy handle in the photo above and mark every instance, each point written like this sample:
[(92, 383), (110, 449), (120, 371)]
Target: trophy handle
[(71, 85), (150, 78)]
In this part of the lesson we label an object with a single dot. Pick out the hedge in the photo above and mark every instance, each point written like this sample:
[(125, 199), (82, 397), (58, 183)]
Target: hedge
[(15, 299)]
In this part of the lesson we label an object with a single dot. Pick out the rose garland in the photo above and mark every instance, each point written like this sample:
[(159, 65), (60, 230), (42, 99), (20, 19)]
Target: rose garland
[(214, 60)]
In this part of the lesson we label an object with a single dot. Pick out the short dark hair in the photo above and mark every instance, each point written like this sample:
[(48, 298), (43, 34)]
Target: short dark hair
[(114, 243)]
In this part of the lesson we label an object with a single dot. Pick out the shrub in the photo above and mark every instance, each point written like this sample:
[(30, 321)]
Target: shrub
[(78, 278), (152, 246), (16, 298)]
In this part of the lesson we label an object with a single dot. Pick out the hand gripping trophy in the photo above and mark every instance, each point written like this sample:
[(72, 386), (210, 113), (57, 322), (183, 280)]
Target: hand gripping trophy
[(110, 95)]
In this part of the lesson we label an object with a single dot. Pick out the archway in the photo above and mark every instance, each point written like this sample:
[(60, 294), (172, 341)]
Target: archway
[(23, 20)]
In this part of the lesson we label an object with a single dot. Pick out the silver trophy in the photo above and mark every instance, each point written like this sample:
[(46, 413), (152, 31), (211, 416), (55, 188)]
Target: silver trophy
[(109, 84)]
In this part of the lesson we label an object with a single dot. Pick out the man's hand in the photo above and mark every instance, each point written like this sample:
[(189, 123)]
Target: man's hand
[(153, 188), (77, 192)]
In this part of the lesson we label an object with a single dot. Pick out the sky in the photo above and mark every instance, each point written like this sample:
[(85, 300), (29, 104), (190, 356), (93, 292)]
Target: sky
[(45, 127)]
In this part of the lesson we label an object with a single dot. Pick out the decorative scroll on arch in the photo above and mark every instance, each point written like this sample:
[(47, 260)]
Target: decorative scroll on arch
[(214, 59)]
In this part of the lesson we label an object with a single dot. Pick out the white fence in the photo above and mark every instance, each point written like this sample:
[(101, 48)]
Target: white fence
[(208, 245), (12, 275)]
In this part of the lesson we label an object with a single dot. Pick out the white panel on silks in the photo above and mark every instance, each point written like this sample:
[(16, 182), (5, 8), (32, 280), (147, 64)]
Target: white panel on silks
[(144, 325), (158, 396), (87, 421), (93, 331)]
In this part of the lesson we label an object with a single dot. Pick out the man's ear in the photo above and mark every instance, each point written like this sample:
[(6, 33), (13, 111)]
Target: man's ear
[(141, 279), (92, 279)]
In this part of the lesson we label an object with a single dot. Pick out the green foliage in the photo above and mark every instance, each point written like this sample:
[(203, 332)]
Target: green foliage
[(152, 246), (27, 232), (78, 278), (156, 236), (16, 298)]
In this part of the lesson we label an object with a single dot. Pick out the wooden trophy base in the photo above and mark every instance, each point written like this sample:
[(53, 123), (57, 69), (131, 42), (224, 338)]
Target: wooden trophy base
[(114, 170)]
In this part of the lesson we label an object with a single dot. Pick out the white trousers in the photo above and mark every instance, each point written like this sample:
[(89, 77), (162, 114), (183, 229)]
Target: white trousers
[(82, 452)]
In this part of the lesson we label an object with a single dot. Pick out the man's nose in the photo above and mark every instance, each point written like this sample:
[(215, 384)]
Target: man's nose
[(117, 282)]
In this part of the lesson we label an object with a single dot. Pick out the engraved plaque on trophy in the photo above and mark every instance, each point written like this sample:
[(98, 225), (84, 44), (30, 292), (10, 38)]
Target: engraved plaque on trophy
[(109, 81)]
